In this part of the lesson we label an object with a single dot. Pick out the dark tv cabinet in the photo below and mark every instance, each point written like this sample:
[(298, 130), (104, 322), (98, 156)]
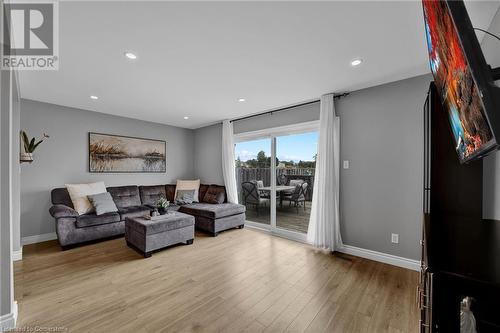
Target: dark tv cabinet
[(460, 249)]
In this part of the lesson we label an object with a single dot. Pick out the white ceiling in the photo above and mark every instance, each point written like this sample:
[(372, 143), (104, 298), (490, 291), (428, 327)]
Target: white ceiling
[(197, 59)]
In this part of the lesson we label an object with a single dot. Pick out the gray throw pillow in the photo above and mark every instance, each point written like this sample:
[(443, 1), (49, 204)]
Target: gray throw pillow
[(103, 203), (185, 197)]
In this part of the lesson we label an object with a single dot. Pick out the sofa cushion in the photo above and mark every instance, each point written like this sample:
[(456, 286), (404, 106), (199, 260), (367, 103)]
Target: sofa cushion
[(79, 192), (90, 220), (170, 190), (215, 195), (125, 196), (221, 188), (212, 211), (150, 194), (203, 191), (103, 203), (168, 222), (133, 211), (188, 185), (60, 196)]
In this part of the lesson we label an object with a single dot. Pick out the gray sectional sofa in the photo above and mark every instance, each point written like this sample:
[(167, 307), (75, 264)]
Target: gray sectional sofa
[(135, 201)]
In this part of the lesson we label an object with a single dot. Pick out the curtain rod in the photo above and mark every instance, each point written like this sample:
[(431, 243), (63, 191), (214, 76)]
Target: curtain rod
[(287, 108)]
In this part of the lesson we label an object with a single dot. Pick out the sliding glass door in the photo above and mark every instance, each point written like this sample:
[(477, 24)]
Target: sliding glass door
[(253, 178), (275, 177), (296, 163)]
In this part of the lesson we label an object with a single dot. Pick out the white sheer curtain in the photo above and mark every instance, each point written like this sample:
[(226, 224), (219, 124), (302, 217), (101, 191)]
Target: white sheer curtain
[(228, 166), (324, 226)]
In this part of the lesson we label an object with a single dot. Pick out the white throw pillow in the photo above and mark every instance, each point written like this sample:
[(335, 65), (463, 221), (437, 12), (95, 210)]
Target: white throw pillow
[(78, 194), (188, 185)]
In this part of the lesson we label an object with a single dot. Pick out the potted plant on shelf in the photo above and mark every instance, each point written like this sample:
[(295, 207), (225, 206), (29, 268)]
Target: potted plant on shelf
[(29, 146), (162, 205)]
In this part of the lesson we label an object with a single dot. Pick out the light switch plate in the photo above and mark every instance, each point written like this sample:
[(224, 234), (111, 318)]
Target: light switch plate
[(346, 164), (395, 238)]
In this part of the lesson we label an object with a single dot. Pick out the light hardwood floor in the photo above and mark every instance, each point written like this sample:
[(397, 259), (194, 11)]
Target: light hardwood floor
[(240, 281), (287, 217)]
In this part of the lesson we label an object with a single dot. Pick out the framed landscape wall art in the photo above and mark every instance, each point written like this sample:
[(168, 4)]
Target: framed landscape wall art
[(120, 154)]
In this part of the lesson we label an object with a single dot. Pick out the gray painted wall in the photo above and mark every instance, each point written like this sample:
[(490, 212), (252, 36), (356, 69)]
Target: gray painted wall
[(491, 164), (64, 157), (291, 116), (8, 93), (16, 167), (381, 135), (381, 192), (208, 154), (5, 222)]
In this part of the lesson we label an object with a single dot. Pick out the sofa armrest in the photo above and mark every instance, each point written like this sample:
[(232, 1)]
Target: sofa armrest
[(58, 211)]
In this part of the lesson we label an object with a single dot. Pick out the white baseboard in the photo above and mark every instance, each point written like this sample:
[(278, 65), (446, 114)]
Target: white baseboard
[(381, 257), (8, 321), (38, 238), (15, 312), (17, 255), (348, 249)]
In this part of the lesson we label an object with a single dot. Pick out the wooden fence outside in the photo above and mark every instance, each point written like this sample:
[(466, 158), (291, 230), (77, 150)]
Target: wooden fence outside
[(264, 174)]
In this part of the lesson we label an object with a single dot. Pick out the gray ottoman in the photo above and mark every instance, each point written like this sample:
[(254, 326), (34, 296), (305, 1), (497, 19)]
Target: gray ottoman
[(147, 236)]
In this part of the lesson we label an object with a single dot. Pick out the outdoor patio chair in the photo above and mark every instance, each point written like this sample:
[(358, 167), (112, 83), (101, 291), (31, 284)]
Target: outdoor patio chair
[(298, 196), (252, 196), (260, 184), (281, 179), (295, 182)]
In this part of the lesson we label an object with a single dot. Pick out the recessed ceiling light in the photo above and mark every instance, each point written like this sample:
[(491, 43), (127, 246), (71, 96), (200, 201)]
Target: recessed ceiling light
[(94, 97), (356, 62), (130, 55), (241, 100), (186, 117)]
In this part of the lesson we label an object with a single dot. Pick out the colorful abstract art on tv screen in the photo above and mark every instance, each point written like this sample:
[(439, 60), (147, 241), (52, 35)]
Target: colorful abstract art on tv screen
[(455, 81)]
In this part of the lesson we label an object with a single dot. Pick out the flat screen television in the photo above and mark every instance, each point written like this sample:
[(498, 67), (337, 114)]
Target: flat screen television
[(463, 79)]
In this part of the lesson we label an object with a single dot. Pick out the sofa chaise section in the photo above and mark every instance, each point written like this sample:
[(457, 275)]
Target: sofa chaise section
[(214, 218)]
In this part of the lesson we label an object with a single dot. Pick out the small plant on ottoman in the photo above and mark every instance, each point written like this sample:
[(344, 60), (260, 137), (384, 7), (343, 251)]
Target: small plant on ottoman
[(162, 205)]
